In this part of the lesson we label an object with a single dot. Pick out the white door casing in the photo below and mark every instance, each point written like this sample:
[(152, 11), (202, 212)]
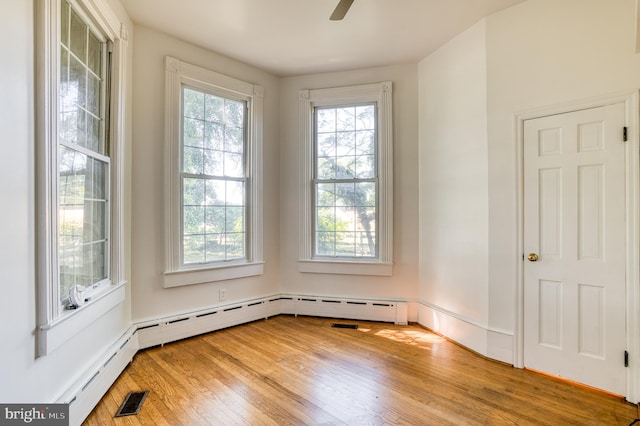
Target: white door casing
[(574, 219)]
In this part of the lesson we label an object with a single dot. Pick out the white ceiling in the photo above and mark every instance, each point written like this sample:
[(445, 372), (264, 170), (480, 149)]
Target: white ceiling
[(295, 37)]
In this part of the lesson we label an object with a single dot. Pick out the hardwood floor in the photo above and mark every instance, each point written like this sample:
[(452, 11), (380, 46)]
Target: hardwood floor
[(294, 371)]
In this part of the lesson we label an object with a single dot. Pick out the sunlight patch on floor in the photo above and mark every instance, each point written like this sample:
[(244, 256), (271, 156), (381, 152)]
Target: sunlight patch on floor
[(411, 337)]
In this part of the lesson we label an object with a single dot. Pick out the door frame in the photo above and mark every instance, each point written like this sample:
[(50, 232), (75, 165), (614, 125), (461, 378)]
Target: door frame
[(631, 100)]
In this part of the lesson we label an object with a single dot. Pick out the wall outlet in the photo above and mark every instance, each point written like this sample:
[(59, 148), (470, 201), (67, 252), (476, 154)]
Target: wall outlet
[(223, 294)]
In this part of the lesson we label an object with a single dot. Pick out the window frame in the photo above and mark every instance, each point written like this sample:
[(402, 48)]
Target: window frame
[(56, 324), (180, 74), (381, 95)]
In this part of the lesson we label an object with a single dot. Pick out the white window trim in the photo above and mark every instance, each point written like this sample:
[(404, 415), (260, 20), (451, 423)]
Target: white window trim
[(56, 326), (381, 93), (178, 73)]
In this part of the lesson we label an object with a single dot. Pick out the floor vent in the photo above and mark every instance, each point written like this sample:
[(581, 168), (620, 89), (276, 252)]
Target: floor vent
[(352, 326), (132, 404)]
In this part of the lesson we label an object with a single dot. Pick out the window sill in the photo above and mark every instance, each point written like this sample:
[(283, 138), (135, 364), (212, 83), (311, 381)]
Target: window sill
[(53, 335), (384, 269), (220, 273)]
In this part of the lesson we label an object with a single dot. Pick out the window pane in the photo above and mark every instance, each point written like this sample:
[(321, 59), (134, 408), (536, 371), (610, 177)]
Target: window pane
[(234, 219), (345, 119), (77, 84), (235, 246), (193, 104), (193, 132), (326, 145), (93, 94), (213, 136), (326, 195), (78, 40), (234, 113), (214, 109), (345, 143), (365, 244), (365, 117), (192, 160), (326, 167), (345, 167), (215, 249), (194, 220), (193, 192), (214, 163), (345, 244), (365, 194), (235, 193), (325, 243), (233, 166), (94, 59), (364, 167), (233, 139), (326, 120), (193, 249), (216, 192), (215, 220), (365, 142), (64, 23)]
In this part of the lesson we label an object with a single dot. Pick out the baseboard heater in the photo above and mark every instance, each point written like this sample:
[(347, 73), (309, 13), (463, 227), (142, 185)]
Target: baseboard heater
[(180, 327)]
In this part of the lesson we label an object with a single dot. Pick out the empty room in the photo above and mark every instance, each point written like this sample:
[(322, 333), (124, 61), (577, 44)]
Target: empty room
[(313, 212)]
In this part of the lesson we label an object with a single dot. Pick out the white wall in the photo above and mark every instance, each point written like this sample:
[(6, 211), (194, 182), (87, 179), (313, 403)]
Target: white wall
[(538, 53), (24, 377), (403, 284), (542, 53), (453, 189), (150, 299)]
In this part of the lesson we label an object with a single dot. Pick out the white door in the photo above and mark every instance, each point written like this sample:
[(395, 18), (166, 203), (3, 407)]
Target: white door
[(574, 223)]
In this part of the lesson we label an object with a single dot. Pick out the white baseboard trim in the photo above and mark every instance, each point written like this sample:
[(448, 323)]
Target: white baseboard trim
[(180, 326), (85, 394), (491, 342)]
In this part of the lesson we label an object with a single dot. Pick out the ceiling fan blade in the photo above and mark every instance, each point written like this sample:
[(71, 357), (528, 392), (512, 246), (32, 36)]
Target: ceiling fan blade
[(341, 10)]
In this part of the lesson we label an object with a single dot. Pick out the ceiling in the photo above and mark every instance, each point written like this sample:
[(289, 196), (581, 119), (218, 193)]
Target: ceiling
[(295, 37)]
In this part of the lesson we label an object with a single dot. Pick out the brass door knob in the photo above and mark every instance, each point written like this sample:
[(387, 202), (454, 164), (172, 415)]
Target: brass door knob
[(532, 257)]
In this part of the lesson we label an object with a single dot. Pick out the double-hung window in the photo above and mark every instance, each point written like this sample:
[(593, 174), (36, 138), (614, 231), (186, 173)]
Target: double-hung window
[(347, 212), (213, 147), (345, 182), (84, 160), (81, 53)]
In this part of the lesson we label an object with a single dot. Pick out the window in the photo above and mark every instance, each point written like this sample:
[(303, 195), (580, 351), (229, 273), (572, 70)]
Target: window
[(347, 180), (84, 163), (213, 176), (81, 55)]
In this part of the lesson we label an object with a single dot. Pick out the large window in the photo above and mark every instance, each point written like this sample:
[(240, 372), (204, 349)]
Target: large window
[(84, 163), (213, 176), (214, 180), (346, 178), (346, 156), (81, 54)]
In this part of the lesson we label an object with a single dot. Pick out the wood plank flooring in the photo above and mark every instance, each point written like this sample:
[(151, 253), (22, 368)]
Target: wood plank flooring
[(295, 371)]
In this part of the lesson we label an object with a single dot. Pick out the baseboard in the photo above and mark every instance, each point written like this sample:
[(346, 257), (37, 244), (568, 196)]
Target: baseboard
[(168, 329), (348, 308), (177, 327), (489, 342), (85, 394)]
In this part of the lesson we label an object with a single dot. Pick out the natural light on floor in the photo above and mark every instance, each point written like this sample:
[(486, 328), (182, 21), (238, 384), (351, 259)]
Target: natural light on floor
[(408, 337)]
